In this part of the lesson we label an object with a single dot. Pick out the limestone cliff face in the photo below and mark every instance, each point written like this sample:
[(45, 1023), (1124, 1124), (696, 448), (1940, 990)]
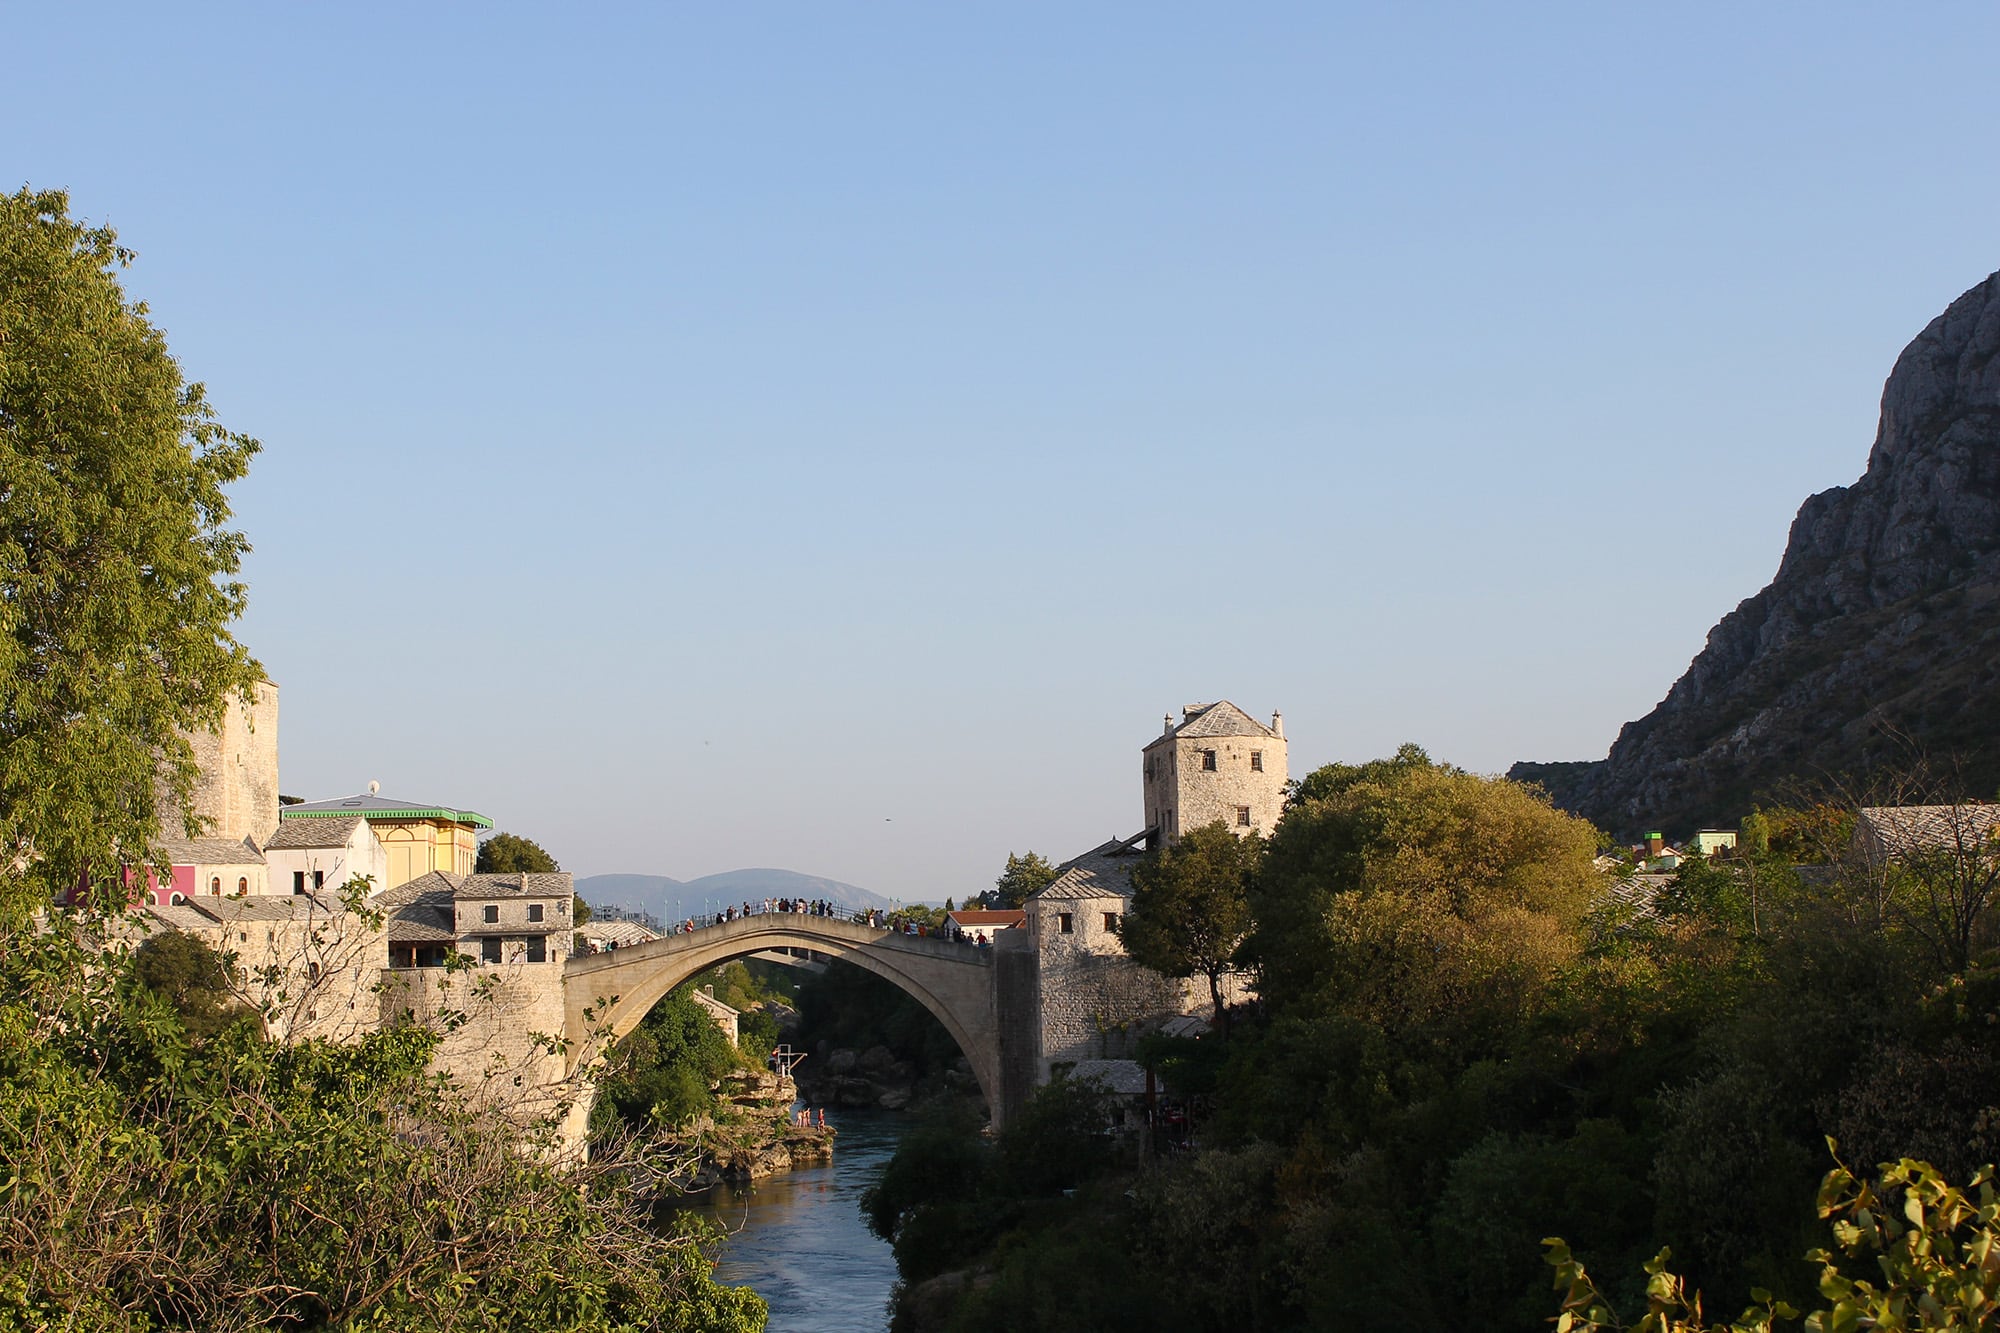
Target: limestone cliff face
[(1882, 622)]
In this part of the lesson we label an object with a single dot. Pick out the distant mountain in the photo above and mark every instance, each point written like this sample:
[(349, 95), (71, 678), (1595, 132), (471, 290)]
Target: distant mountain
[(1880, 632), (672, 899)]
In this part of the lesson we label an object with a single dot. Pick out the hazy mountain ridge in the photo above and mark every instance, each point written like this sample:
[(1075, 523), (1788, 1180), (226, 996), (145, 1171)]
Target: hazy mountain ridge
[(672, 899), (1877, 635)]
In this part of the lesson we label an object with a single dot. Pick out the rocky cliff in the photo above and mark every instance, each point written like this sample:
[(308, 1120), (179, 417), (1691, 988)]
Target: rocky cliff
[(1878, 633)]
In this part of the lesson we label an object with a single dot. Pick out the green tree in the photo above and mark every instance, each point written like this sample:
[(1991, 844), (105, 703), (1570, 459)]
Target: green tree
[(1415, 894), (1025, 875), (116, 565), (511, 854), (1190, 907), (192, 977)]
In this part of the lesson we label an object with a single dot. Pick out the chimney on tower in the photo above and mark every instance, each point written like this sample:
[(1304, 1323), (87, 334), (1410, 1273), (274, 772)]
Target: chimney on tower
[(1277, 723)]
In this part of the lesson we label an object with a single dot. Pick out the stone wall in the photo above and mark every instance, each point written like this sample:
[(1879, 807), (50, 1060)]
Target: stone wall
[(492, 1018), (1182, 795), (236, 794)]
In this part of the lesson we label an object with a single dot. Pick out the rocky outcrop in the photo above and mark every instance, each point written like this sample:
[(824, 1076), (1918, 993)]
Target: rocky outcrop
[(1877, 638), (751, 1134)]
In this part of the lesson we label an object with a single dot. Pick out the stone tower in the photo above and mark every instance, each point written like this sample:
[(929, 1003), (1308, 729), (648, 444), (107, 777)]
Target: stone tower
[(1218, 763), (236, 795)]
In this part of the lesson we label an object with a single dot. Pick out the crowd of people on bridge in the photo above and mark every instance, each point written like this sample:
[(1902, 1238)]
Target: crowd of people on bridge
[(833, 911)]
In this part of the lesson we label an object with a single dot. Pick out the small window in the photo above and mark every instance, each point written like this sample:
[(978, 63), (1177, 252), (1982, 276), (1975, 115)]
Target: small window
[(1064, 923), (1208, 761), (538, 950), (312, 970), (492, 913), (1256, 761), (534, 911), (319, 879), (298, 881), (489, 951), (1111, 922), (215, 886), (1243, 816), (177, 898), (243, 884)]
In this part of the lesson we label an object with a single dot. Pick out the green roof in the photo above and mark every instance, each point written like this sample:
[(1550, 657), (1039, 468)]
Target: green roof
[(371, 806)]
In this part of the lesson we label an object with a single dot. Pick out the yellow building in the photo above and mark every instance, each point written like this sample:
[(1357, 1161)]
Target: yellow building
[(418, 838)]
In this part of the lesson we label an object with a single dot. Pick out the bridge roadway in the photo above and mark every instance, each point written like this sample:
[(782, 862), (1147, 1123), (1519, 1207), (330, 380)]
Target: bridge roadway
[(968, 989)]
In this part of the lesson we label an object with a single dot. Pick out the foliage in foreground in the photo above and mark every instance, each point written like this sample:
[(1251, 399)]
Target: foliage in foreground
[(1913, 1252), (151, 1178)]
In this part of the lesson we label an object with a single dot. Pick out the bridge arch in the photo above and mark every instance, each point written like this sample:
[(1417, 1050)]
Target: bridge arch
[(606, 995)]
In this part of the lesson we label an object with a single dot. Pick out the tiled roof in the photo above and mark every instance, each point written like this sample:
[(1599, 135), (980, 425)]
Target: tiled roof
[(405, 931), (517, 886), (371, 806), (180, 916), (996, 920), (302, 833), (1902, 830), (267, 907), (1105, 871), (1127, 1077), (207, 851), (1220, 719), (421, 910)]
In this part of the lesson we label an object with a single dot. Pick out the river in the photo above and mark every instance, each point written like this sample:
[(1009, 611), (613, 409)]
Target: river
[(798, 1237)]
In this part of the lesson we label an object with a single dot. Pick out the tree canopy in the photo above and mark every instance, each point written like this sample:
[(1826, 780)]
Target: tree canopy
[(1025, 875), (511, 854), (1190, 907), (116, 562), (1407, 891)]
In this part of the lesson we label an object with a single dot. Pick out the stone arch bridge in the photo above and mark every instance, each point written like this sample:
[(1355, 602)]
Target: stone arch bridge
[(985, 998)]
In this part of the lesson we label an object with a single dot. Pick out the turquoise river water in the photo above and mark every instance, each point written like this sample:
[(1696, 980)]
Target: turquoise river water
[(798, 1237)]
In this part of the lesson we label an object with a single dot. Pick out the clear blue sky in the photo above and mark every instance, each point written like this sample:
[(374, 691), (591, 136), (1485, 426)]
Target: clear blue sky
[(831, 436)]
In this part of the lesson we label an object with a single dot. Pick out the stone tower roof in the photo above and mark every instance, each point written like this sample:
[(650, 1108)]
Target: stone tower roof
[(1221, 718)]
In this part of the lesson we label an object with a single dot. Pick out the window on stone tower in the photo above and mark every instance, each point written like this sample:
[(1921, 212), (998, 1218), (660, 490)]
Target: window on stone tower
[(534, 911), (1243, 816), (492, 913), (1065, 923), (1256, 761), (1208, 761), (1111, 923), (489, 951)]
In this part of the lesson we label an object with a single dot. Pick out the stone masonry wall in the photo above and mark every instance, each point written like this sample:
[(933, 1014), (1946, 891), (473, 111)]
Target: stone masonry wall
[(492, 1053), (1195, 796)]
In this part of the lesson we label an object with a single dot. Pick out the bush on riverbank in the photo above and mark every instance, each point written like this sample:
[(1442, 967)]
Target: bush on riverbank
[(160, 1177)]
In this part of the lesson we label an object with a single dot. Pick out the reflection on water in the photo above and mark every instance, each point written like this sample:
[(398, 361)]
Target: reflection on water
[(799, 1239)]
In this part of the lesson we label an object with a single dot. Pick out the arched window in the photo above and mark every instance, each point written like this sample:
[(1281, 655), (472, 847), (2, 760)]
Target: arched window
[(176, 899), (215, 886), (243, 884)]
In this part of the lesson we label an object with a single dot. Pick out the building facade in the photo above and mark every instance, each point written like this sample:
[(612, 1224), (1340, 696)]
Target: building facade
[(417, 837), (1217, 764)]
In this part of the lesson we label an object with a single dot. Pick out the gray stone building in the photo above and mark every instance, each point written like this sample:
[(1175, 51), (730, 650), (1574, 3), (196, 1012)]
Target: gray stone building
[(1219, 763)]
